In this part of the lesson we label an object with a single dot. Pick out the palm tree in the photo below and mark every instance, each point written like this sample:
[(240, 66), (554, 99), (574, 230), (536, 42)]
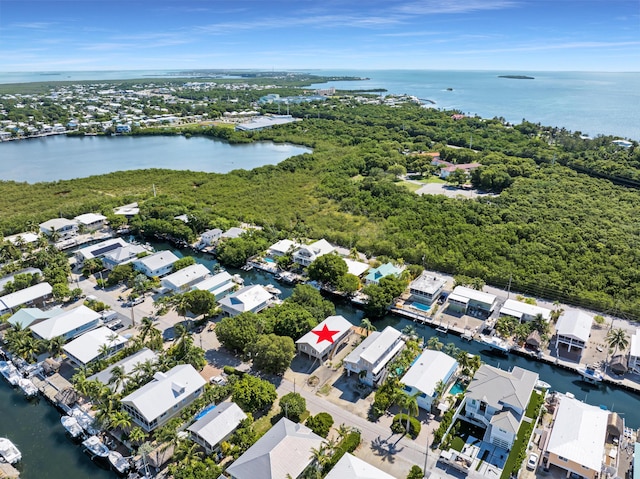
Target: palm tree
[(410, 331), (617, 339), (319, 455), (118, 377), (54, 346), (145, 327), (434, 343), (367, 325), (137, 435), (188, 452), (451, 349), (474, 364), (410, 403), (463, 362), (120, 419), (343, 430), (440, 389)]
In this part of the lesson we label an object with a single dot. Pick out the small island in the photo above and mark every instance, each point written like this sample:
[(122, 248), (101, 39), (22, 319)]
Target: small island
[(517, 77)]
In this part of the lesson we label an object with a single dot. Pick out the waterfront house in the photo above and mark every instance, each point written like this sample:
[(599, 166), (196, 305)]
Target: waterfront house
[(157, 264), (125, 254), (424, 375), (356, 268), (123, 129), (307, 254), (470, 301), (153, 404), (370, 358), (576, 445), (281, 248), (219, 285), (351, 467), (68, 324), (216, 426), (524, 312), (387, 269), (233, 232), (284, 451), (634, 352), (91, 221), (426, 288), (183, 279), (65, 228), (33, 295), (211, 237), (573, 330), (497, 400), (100, 343), (98, 250), (323, 341), (248, 299), (22, 238), (128, 211), (128, 365), (465, 167), (25, 317)]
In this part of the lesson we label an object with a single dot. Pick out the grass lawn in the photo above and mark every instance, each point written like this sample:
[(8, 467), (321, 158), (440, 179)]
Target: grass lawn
[(431, 179), (518, 451), (457, 443), (535, 402), (413, 187)]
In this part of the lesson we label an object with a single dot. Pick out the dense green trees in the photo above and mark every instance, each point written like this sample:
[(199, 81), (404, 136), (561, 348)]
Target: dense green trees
[(321, 423), (328, 268), (253, 394), (292, 406), (273, 354)]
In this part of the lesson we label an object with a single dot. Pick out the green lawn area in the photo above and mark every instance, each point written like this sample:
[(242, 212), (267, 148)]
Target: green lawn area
[(432, 179), (535, 403), (518, 451), (413, 187), (457, 444)]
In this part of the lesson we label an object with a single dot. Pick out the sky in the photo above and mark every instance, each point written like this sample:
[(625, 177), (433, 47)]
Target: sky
[(519, 35)]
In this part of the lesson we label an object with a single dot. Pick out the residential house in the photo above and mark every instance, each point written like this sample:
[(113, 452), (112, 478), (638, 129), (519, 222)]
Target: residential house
[(91, 346), (219, 285), (323, 341), (634, 352), (129, 366), (523, 311), (33, 295), (307, 254), (216, 426), (425, 374), (497, 400), (233, 232), (25, 317), (250, 298), (157, 264), (183, 279), (10, 278), (211, 237), (351, 467), (470, 301), (576, 443), (98, 250), (91, 221), (573, 330), (284, 451), (68, 324), (123, 255), (466, 167), (123, 129), (370, 358), (62, 226), (376, 274), (281, 248), (22, 238), (356, 268), (426, 288), (128, 211), (164, 397)]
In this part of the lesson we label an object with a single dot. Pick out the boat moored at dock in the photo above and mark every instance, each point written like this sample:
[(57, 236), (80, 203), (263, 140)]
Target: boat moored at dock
[(71, 426), (28, 388), (496, 344), (95, 447), (9, 452), (118, 462), (590, 374), (10, 372)]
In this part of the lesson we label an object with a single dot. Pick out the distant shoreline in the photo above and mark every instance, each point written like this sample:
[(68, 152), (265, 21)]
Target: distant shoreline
[(517, 77)]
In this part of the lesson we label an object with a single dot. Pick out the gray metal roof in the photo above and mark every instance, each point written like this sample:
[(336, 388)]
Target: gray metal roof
[(500, 388)]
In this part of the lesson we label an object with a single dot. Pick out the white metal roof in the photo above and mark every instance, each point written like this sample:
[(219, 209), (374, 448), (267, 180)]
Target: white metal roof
[(102, 248), (283, 246), (579, 432), (474, 294), (427, 283), (185, 275), (575, 324), (356, 268), (25, 317), (430, 368), (214, 282), (518, 309), (165, 391), (127, 364), (158, 260), (246, 299), (37, 291), (351, 467), (25, 237), (63, 323), (87, 347), (126, 253), (333, 323), (90, 218), (381, 345), (218, 423), (634, 347), (500, 388), (57, 224)]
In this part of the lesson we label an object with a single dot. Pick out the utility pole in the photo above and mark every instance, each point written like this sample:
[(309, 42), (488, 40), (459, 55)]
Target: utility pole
[(426, 457), (509, 286)]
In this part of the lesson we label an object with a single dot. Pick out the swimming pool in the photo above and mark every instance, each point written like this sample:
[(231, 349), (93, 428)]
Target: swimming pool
[(420, 306), (457, 388), (205, 411), (268, 260)]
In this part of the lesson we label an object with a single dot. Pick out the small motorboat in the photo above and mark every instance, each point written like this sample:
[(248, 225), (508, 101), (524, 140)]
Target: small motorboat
[(118, 462), (10, 372), (95, 447), (496, 344), (540, 384), (28, 388), (71, 426), (85, 420), (590, 374), (9, 452)]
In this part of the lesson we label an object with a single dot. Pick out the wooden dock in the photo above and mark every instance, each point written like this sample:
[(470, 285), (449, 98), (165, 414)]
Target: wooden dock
[(8, 471), (51, 386)]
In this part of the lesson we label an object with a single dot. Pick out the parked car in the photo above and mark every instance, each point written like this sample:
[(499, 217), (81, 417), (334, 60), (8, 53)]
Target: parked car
[(532, 462), (219, 380)]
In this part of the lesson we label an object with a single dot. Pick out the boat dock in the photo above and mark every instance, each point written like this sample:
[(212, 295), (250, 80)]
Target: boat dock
[(7, 471), (51, 386)]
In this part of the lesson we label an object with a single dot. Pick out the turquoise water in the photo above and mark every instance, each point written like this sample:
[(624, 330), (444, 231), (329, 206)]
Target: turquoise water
[(420, 306), (62, 158), (204, 412), (268, 260), (457, 388)]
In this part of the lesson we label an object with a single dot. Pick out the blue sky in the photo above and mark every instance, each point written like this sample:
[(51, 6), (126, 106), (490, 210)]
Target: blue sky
[(527, 35)]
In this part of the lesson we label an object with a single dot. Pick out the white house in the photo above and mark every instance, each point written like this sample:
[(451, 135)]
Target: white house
[(35, 294), (248, 299), (88, 347), (576, 444), (68, 324), (523, 311), (284, 451), (470, 301), (370, 358), (309, 253), (216, 425), (123, 255), (326, 338), (10, 278), (282, 247), (183, 279), (356, 268), (22, 238), (98, 250), (219, 285), (211, 237), (156, 402), (351, 467), (157, 264), (233, 232), (426, 288), (128, 211), (128, 365), (91, 221), (497, 400), (427, 371), (634, 352), (573, 330), (64, 227)]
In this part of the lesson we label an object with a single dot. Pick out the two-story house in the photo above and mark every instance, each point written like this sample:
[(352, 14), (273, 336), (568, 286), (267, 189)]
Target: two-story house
[(370, 358), (309, 253), (426, 288), (427, 372), (156, 265)]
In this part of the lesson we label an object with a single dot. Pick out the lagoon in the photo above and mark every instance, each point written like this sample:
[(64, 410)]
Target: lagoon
[(61, 158)]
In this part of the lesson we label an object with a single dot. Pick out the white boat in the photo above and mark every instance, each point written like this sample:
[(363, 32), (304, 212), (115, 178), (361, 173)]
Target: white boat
[(9, 451), (28, 388), (496, 344), (118, 462), (85, 420), (273, 290), (590, 374), (10, 372), (71, 425), (95, 446), (236, 278), (540, 384)]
